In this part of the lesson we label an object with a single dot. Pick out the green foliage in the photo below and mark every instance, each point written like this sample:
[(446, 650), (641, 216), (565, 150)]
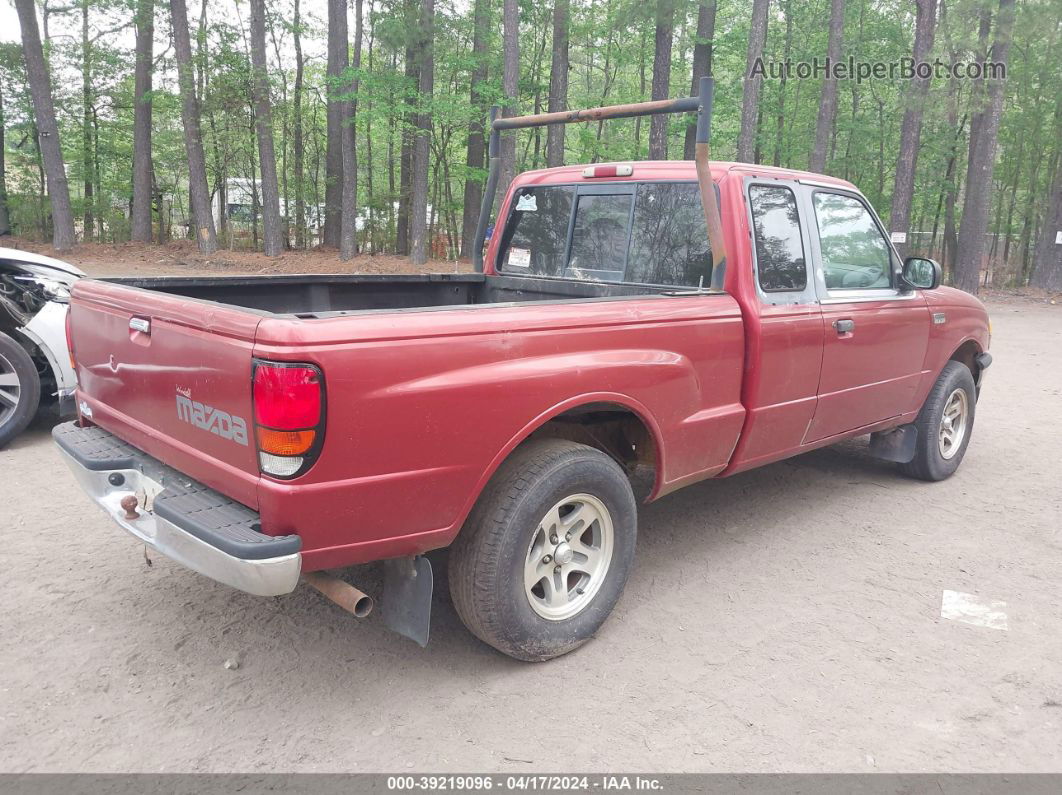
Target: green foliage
[(611, 61)]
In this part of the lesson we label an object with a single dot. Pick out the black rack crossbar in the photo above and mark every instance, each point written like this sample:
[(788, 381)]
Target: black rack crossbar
[(700, 104)]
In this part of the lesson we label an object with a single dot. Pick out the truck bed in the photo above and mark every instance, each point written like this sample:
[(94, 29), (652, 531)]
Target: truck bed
[(308, 296), (428, 379)]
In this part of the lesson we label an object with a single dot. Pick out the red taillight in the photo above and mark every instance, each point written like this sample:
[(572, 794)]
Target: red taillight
[(289, 416), (287, 397)]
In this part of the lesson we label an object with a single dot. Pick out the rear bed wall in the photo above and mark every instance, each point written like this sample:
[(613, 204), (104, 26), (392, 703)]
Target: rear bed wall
[(319, 294)]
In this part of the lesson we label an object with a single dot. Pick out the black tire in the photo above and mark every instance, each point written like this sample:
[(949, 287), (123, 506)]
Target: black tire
[(929, 463), (487, 560), (15, 361)]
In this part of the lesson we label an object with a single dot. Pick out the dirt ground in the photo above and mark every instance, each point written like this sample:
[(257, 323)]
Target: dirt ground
[(181, 258), (787, 619)]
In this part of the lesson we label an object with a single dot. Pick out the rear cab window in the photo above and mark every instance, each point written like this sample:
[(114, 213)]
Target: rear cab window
[(650, 233)]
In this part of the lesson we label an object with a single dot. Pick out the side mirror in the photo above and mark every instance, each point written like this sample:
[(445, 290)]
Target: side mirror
[(921, 273)]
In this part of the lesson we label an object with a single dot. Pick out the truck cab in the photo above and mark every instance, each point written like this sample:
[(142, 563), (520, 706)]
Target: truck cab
[(837, 340)]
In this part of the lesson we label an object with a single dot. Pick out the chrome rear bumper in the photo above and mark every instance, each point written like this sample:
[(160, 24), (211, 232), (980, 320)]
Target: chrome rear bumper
[(178, 517)]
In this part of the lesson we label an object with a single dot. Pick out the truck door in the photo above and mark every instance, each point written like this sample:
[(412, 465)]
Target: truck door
[(875, 334), (783, 327)]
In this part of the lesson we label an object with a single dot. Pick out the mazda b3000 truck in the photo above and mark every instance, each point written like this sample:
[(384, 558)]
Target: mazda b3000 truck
[(260, 430)]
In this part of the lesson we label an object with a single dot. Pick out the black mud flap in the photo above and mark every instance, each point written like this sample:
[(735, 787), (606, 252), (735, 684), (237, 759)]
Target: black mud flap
[(406, 601), (896, 445)]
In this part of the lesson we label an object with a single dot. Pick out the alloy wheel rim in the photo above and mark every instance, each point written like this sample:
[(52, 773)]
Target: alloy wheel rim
[(568, 557), (953, 423), (10, 389)]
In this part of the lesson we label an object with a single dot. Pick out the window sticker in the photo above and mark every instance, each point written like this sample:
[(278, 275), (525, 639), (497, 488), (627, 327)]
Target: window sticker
[(527, 203), (520, 257)]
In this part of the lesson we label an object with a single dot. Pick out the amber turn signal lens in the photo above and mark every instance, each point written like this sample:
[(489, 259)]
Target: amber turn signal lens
[(285, 442)]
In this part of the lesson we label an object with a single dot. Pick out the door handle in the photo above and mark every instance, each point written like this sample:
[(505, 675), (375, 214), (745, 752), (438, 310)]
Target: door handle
[(846, 326)]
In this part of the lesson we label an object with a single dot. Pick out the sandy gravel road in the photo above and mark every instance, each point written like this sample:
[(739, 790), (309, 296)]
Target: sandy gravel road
[(788, 619)]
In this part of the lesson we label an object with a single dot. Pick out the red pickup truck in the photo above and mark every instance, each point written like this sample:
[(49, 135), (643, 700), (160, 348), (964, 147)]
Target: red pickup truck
[(262, 429)]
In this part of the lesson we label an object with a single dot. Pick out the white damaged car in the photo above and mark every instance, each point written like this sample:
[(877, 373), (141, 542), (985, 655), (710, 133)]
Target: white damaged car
[(35, 371)]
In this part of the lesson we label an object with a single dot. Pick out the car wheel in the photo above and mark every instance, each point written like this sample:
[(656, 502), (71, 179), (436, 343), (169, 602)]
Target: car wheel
[(20, 389), (944, 424), (546, 551)]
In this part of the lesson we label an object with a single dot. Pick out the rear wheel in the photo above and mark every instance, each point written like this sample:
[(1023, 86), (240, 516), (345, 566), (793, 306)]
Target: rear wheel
[(546, 552), (20, 389), (944, 424)]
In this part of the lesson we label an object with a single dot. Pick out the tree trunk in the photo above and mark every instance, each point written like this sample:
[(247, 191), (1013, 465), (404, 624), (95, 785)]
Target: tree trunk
[(5, 218), (255, 204), (405, 177), (40, 85), (272, 230), (779, 121), (87, 167), (1047, 266), (979, 170), (665, 26), (198, 193), (418, 227), (978, 101), (475, 157), (828, 101), (372, 227), (97, 173), (348, 242), (285, 193), (558, 83), (337, 64), (299, 153), (510, 88), (140, 215), (702, 64), (750, 99), (911, 127)]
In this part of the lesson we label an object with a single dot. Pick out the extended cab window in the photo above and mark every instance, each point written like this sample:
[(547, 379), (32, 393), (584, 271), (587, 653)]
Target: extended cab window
[(779, 251), (855, 255), (667, 243)]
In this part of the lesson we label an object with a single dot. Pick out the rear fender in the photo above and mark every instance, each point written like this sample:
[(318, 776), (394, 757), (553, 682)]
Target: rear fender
[(618, 400)]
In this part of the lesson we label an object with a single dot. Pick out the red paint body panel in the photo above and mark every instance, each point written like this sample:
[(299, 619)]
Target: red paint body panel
[(422, 406), (874, 371), (419, 416), (131, 380)]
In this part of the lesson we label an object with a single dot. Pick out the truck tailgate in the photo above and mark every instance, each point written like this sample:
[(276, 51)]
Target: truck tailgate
[(172, 376)]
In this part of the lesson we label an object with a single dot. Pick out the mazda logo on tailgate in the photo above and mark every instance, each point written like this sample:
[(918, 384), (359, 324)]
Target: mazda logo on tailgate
[(208, 418)]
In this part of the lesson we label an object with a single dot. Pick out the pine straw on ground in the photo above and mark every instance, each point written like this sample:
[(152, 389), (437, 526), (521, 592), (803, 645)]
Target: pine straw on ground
[(181, 258)]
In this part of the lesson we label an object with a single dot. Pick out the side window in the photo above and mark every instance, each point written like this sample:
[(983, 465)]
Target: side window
[(599, 239), (538, 231), (780, 260), (669, 243), (855, 255)]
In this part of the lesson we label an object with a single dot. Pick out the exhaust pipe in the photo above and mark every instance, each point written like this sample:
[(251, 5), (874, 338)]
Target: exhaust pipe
[(341, 592)]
